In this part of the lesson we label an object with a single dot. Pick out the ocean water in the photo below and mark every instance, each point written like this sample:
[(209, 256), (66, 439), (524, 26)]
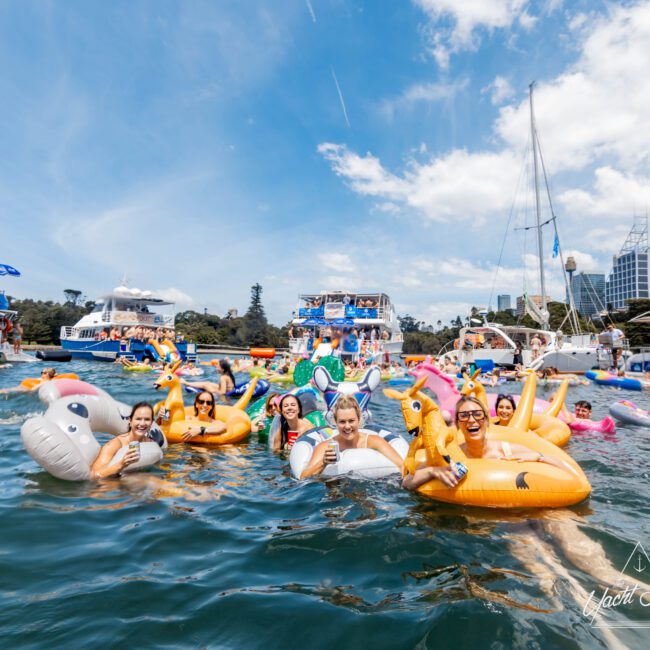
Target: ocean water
[(221, 548)]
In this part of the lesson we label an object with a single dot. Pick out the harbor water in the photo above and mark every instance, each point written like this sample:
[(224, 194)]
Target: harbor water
[(221, 548)]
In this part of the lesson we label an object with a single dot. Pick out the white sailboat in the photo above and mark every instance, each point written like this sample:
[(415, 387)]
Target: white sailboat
[(495, 344)]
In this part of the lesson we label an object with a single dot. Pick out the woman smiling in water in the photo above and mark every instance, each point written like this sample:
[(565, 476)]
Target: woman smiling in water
[(204, 410), (347, 415)]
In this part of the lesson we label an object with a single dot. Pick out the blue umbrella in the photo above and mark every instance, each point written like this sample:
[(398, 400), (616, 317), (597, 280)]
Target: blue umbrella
[(5, 269), (314, 321), (343, 321)]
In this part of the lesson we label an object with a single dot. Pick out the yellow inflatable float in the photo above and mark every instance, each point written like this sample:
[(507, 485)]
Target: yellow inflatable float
[(31, 383), (546, 425), (174, 421), (492, 483)]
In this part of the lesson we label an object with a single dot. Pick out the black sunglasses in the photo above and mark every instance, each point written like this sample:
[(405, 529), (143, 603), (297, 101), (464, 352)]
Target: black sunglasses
[(504, 396), (205, 401)]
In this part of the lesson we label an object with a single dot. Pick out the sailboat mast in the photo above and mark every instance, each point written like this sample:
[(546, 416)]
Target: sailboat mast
[(540, 243)]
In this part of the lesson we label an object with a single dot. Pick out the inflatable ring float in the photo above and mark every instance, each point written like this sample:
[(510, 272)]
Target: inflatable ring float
[(630, 413), (63, 442), (368, 463)]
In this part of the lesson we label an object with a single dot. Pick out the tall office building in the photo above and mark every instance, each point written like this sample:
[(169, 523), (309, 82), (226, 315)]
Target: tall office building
[(629, 275), (503, 302), (588, 293)]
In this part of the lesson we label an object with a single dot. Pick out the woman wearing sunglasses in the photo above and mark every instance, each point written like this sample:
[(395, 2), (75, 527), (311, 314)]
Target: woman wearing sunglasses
[(203, 410), (472, 421), (505, 408)]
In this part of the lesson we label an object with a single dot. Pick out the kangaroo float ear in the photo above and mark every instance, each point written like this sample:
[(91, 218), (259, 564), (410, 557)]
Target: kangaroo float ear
[(371, 380), (465, 376), (391, 393), (476, 373), (176, 365), (323, 379), (416, 386)]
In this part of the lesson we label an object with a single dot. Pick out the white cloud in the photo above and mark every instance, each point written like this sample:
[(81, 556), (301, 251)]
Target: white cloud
[(182, 300), (467, 18), (594, 115), (500, 90), (333, 261), (459, 185), (422, 93), (614, 194)]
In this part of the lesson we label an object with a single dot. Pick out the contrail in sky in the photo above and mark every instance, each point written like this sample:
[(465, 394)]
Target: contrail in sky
[(338, 88), (311, 10)]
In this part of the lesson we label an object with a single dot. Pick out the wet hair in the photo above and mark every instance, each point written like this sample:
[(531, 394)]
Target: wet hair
[(284, 425), (196, 400), (473, 400), (346, 402), (141, 405), (584, 404), (224, 364)]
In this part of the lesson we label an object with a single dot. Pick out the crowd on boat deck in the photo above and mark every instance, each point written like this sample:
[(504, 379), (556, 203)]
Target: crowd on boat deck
[(138, 333)]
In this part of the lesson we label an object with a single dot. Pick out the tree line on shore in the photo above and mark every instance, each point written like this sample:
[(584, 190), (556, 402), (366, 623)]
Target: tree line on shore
[(42, 322)]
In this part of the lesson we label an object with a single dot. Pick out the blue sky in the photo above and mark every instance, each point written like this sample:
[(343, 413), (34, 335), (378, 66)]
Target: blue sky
[(200, 147)]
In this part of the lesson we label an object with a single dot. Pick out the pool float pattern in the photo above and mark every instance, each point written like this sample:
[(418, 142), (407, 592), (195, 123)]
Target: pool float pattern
[(603, 378), (332, 390)]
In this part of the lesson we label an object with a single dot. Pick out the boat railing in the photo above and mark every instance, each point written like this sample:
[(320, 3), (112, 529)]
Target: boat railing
[(67, 332), (350, 311)]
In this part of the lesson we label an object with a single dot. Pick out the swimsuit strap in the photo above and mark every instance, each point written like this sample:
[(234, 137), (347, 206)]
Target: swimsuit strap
[(507, 449)]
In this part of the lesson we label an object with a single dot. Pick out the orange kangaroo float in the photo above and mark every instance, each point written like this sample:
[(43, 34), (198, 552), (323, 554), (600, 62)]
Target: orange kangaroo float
[(490, 482), (176, 418)]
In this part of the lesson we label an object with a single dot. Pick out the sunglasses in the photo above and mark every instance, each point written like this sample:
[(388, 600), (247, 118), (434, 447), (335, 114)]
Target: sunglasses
[(208, 402), (504, 396), (464, 416)]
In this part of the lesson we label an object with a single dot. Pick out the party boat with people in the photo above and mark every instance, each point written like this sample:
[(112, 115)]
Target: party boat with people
[(352, 325), (125, 323)]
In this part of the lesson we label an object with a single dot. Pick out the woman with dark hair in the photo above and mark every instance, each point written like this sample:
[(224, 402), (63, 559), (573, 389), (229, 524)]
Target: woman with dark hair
[(204, 410), (140, 422), (292, 424), (505, 408)]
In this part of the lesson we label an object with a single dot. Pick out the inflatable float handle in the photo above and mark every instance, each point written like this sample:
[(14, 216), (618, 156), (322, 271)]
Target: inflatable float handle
[(556, 405), (524, 412)]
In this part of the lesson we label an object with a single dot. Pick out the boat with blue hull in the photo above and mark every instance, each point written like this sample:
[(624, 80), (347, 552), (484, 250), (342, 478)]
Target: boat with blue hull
[(93, 336)]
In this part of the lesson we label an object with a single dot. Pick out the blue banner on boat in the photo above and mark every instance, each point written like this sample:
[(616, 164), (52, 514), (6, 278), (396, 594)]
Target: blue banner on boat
[(5, 269)]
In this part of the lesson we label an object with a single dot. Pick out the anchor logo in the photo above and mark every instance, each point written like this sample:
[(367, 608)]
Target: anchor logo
[(638, 560)]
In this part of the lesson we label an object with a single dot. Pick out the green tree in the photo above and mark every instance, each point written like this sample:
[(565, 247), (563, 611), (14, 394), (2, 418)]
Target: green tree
[(638, 334), (408, 324)]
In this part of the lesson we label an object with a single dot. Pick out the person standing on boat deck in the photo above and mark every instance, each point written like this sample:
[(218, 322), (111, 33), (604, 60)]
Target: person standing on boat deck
[(18, 337), (617, 343), (535, 345), (518, 356)]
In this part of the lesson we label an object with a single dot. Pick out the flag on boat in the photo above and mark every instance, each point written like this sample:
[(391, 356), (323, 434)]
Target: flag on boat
[(5, 269), (556, 246)]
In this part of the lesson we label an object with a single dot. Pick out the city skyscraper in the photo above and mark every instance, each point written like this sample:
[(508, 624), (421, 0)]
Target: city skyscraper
[(503, 302), (629, 275), (588, 293)]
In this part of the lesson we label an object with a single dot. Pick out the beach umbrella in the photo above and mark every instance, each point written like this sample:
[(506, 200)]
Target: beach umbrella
[(5, 269)]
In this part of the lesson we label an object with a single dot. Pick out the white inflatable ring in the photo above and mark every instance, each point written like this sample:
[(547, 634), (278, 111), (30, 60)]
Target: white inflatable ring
[(368, 463)]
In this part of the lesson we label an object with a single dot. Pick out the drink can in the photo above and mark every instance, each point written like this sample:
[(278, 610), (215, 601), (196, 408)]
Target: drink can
[(335, 446), (459, 470), (134, 444)]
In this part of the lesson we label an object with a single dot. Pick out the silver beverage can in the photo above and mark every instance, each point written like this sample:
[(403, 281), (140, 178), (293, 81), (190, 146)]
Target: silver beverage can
[(334, 445), (134, 444), (459, 470)]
